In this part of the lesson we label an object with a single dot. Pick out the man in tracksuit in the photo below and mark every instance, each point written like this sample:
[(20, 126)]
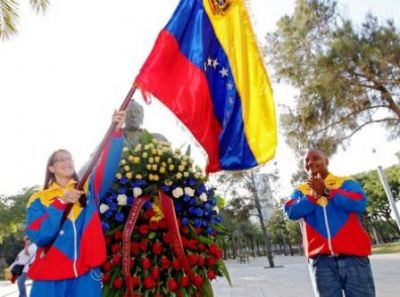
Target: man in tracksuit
[(334, 239)]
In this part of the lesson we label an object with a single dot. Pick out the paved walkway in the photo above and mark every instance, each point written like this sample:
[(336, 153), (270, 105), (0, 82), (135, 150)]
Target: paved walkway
[(289, 280)]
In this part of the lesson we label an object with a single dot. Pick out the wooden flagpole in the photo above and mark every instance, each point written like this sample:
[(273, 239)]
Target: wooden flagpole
[(93, 161)]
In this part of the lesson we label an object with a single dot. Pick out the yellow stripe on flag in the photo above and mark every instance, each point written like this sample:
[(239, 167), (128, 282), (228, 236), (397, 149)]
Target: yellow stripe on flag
[(234, 32)]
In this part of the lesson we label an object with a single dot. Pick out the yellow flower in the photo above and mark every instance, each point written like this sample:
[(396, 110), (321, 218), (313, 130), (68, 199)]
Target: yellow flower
[(154, 140), (186, 174), (163, 164), (179, 175), (154, 151), (136, 160), (144, 155), (171, 167), (162, 169), (131, 158), (138, 176), (156, 177), (127, 168), (183, 163), (168, 183), (154, 167), (125, 149), (123, 162), (148, 166), (118, 175), (157, 159), (151, 160), (129, 175), (181, 168), (169, 160)]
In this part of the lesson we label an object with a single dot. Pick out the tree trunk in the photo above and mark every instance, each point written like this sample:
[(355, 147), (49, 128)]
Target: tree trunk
[(263, 228)]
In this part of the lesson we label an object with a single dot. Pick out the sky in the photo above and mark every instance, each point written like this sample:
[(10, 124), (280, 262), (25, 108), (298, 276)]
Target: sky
[(65, 72)]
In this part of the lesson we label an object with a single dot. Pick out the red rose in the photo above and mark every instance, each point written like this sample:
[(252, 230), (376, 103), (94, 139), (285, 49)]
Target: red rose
[(215, 251), (115, 248), (172, 285), (201, 260), (107, 266), (117, 283), (157, 248), (167, 237), (162, 224), (197, 280), (149, 283), (108, 241), (211, 274), (153, 225), (192, 244), (118, 235), (135, 248), (211, 261), (143, 244), (144, 229), (179, 294), (116, 259), (184, 281), (176, 264), (197, 230), (146, 263), (192, 259), (158, 295), (185, 230), (165, 263), (149, 214), (155, 273), (135, 281), (106, 278), (201, 247)]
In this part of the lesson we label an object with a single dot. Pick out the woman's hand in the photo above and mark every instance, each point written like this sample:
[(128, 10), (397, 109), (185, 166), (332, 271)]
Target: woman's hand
[(71, 196), (119, 118)]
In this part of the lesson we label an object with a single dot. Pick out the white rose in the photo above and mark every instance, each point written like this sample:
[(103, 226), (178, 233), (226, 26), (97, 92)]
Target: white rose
[(189, 191), (122, 199), (178, 192), (203, 197), (104, 208), (137, 192)]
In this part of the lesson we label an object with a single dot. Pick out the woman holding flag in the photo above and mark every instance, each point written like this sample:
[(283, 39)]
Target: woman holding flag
[(71, 248)]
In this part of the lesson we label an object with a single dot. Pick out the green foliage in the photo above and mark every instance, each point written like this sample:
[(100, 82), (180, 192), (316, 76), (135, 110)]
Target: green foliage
[(9, 15), (378, 206), (347, 77), (12, 212)]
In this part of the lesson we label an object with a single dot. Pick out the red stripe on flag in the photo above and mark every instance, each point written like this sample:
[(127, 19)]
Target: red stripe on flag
[(183, 88)]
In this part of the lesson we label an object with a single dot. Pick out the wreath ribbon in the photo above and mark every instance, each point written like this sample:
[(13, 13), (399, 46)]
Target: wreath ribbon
[(173, 229)]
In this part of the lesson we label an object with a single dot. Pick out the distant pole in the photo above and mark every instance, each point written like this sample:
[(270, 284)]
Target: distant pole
[(267, 242), (389, 195)]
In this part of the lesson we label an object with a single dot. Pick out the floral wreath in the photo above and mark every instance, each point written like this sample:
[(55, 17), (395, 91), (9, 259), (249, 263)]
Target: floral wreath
[(161, 225)]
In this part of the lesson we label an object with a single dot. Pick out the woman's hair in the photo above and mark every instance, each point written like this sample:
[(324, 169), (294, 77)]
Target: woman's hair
[(50, 177)]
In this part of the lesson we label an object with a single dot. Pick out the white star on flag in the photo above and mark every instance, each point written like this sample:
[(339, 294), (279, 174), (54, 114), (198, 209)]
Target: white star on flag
[(224, 72)]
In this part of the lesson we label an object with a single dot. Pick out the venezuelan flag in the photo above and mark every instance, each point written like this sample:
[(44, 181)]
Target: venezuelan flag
[(206, 68)]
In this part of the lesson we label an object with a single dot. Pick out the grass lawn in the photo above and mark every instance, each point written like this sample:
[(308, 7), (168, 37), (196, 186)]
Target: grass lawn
[(393, 247)]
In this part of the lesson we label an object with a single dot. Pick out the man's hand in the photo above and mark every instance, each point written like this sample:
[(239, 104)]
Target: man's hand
[(317, 184)]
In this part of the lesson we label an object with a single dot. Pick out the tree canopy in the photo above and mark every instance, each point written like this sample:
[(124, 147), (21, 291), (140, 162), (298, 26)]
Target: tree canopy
[(347, 77), (9, 15)]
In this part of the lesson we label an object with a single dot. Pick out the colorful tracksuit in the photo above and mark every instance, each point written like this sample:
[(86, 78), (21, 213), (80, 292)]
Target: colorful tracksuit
[(79, 245), (331, 224)]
